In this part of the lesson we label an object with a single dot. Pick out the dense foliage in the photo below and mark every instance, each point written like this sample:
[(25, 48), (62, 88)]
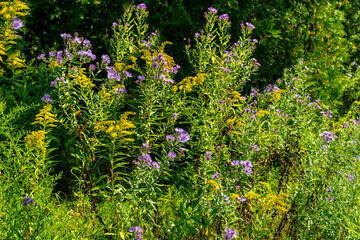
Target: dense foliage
[(130, 136)]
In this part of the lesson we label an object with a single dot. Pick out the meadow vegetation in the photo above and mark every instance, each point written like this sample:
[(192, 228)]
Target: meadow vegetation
[(127, 144)]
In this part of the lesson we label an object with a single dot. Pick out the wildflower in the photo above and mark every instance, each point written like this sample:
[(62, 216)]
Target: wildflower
[(41, 56), (28, 201), (86, 42), (175, 116), (330, 199), (214, 10), (141, 6), (156, 165), (229, 234), (255, 147), (170, 138), (197, 34), (207, 153), (235, 163), (250, 25), (182, 135), (172, 155), (241, 199), (248, 170), (46, 98), (215, 176), (224, 16), (328, 136), (17, 23), (208, 158), (218, 147), (114, 24), (221, 101), (105, 59), (329, 190), (237, 187), (138, 232), (92, 67)]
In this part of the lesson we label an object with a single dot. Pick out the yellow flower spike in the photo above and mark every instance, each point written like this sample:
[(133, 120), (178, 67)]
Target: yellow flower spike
[(234, 196), (35, 140), (214, 184), (45, 117), (251, 195), (262, 113), (276, 95), (116, 129)]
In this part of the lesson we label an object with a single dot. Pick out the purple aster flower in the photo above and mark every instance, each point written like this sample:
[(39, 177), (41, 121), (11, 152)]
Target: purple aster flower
[(175, 116), (114, 24), (92, 67), (105, 59), (215, 176), (170, 138), (28, 201), (241, 199), (183, 138), (41, 56), (329, 190), (17, 23), (135, 229), (172, 155), (330, 199), (86, 43), (208, 158), (197, 34), (207, 154), (224, 16), (250, 25), (235, 163), (237, 187), (214, 10), (46, 98), (63, 35), (255, 147), (248, 170), (155, 65), (141, 6), (229, 234), (78, 40), (156, 165), (221, 101)]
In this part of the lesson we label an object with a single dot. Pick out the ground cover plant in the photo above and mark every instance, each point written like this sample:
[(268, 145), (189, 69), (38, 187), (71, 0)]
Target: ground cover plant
[(118, 146)]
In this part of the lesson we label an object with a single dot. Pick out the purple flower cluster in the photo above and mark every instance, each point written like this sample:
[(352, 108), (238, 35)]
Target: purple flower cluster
[(247, 167), (119, 91), (208, 155), (113, 74), (224, 16), (229, 234), (250, 25), (138, 232), (145, 161), (53, 83), (214, 10), (29, 201), (215, 176), (17, 23), (46, 98), (328, 136), (88, 53), (141, 6), (172, 155), (182, 135), (326, 114), (255, 147), (105, 59)]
